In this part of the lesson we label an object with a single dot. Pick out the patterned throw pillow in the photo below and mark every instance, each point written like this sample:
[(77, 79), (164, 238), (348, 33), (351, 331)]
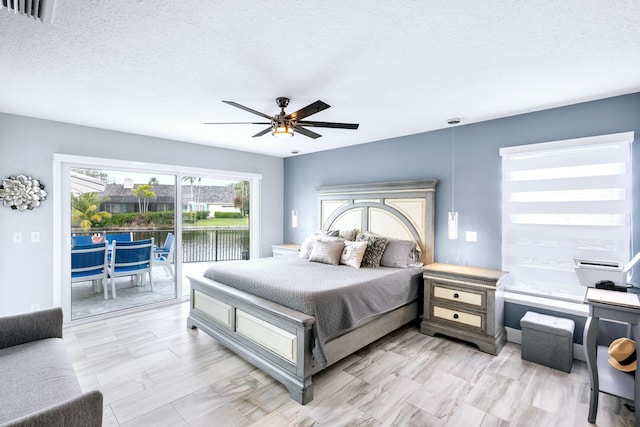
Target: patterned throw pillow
[(309, 242), (353, 253), (327, 251), (375, 249)]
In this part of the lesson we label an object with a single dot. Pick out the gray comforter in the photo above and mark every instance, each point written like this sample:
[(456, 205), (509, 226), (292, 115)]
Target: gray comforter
[(340, 297)]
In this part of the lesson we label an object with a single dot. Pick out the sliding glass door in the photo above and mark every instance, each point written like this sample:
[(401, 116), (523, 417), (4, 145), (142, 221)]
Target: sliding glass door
[(215, 223), (120, 208), (196, 217)]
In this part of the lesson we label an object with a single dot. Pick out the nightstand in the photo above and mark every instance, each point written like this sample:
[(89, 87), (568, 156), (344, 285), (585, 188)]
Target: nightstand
[(465, 303), (285, 249)]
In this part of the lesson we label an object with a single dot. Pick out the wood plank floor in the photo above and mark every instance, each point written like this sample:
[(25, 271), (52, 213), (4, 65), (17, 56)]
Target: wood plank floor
[(154, 371)]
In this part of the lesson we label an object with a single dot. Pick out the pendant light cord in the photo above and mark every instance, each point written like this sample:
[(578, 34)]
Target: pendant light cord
[(453, 168)]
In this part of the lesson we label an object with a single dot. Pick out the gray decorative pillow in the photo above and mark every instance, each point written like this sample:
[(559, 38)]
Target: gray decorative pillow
[(400, 254), (327, 251), (375, 249), (353, 253), (349, 234)]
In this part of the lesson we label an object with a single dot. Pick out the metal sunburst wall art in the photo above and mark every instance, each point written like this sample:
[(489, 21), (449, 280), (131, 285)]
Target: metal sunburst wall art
[(22, 192)]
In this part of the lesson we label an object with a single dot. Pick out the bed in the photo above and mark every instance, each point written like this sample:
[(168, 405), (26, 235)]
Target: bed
[(261, 309)]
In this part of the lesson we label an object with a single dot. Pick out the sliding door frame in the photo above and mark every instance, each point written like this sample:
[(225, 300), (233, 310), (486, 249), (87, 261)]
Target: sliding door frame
[(62, 164)]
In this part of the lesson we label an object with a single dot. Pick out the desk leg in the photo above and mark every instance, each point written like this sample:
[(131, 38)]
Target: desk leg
[(635, 328), (589, 340)]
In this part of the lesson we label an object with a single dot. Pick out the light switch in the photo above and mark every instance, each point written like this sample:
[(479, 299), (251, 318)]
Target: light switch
[(17, 237), (472, 236)]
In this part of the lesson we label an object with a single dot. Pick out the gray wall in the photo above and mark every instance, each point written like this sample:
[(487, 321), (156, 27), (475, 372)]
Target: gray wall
[(27, 146), (478, 171)]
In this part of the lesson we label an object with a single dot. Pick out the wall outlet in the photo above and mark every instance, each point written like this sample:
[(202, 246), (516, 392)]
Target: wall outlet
[(472, 236), (35, 307), (35, 236), (17, 237)]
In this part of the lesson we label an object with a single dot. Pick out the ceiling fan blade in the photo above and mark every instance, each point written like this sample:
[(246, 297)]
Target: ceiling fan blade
[(308, 110), (306, 132), (237, 123), (242, 107), (262, 132), (329, 125)]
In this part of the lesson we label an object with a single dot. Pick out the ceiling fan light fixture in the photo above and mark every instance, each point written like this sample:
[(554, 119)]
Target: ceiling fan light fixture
[(282, 129), (283, 124)]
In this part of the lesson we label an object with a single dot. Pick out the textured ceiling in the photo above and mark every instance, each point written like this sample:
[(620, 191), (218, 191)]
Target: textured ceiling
[(162, 67)]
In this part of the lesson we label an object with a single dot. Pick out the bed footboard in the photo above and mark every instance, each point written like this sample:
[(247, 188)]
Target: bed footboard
[(272, 337)]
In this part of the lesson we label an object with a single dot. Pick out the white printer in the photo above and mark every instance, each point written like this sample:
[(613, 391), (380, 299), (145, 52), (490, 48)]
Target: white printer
[(590, 272)]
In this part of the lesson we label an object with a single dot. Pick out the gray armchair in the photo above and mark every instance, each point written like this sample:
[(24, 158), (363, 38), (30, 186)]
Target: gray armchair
[(39, 385)]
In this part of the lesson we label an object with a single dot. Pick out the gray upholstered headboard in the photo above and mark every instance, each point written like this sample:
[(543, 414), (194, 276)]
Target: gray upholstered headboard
[(402, 210)]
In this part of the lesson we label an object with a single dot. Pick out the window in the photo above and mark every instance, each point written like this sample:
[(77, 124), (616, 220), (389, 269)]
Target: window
[(564, 200), (63, 163)]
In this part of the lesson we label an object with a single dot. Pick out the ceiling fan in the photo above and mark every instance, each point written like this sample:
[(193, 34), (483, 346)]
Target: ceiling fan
[(283, 124)]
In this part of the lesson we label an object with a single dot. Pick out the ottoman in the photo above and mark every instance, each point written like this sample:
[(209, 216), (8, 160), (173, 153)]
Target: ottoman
[(547, 340)]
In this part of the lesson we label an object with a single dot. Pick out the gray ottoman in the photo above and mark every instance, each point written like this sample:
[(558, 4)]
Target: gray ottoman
[(547, 340)]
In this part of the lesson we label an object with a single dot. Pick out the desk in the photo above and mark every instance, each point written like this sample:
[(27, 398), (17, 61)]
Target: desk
[(620, 307)]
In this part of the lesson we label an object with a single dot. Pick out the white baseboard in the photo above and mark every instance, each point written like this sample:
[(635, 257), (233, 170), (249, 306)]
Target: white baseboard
[(515, 336)]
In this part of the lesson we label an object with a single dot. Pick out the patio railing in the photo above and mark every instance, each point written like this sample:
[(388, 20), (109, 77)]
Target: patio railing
[(200, 244)]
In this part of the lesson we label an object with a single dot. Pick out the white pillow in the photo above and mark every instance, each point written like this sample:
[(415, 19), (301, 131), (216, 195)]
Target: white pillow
[(306, 247), (352, 253), (327, 251)]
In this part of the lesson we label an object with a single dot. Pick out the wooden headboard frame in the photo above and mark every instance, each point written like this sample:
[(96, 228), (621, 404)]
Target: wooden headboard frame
[(402, 210)]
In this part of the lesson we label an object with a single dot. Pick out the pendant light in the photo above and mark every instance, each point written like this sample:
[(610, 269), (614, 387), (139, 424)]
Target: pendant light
[(452, 217), (294, 212)]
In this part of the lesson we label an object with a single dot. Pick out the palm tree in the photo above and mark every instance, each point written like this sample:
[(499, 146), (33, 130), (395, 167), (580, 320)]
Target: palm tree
[(144, 193), (84, 209)]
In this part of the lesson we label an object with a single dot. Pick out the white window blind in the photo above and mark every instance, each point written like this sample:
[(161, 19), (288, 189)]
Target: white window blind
[(564, 200)]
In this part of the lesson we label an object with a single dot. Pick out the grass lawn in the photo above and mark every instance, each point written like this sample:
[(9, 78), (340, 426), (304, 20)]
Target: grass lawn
[(222, 222)]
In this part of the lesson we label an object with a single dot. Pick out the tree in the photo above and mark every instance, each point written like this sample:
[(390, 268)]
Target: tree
[(194, 201), (84, 209), (241, 199), (143, 193)]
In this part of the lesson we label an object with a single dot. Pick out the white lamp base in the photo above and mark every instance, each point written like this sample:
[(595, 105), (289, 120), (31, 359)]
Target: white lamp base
[(453, 225)]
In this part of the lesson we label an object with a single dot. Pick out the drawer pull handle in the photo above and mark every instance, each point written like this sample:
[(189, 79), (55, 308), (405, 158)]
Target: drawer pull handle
[(455, 315), (456, 295)]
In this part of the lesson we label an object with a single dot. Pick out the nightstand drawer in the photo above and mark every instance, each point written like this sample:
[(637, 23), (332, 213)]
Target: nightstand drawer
[(476, 299), (470, 319)]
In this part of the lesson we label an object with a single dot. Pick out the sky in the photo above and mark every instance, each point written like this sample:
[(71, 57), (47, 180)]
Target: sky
[(118, 177)]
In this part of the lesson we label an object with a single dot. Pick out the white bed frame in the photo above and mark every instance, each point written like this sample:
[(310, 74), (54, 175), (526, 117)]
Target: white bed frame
[(278, 339)]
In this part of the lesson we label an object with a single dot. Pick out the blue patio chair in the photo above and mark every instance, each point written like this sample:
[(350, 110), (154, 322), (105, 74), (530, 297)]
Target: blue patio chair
[(164, 255), (89, 262), (81, 240), (130, 259), (119, 237)]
